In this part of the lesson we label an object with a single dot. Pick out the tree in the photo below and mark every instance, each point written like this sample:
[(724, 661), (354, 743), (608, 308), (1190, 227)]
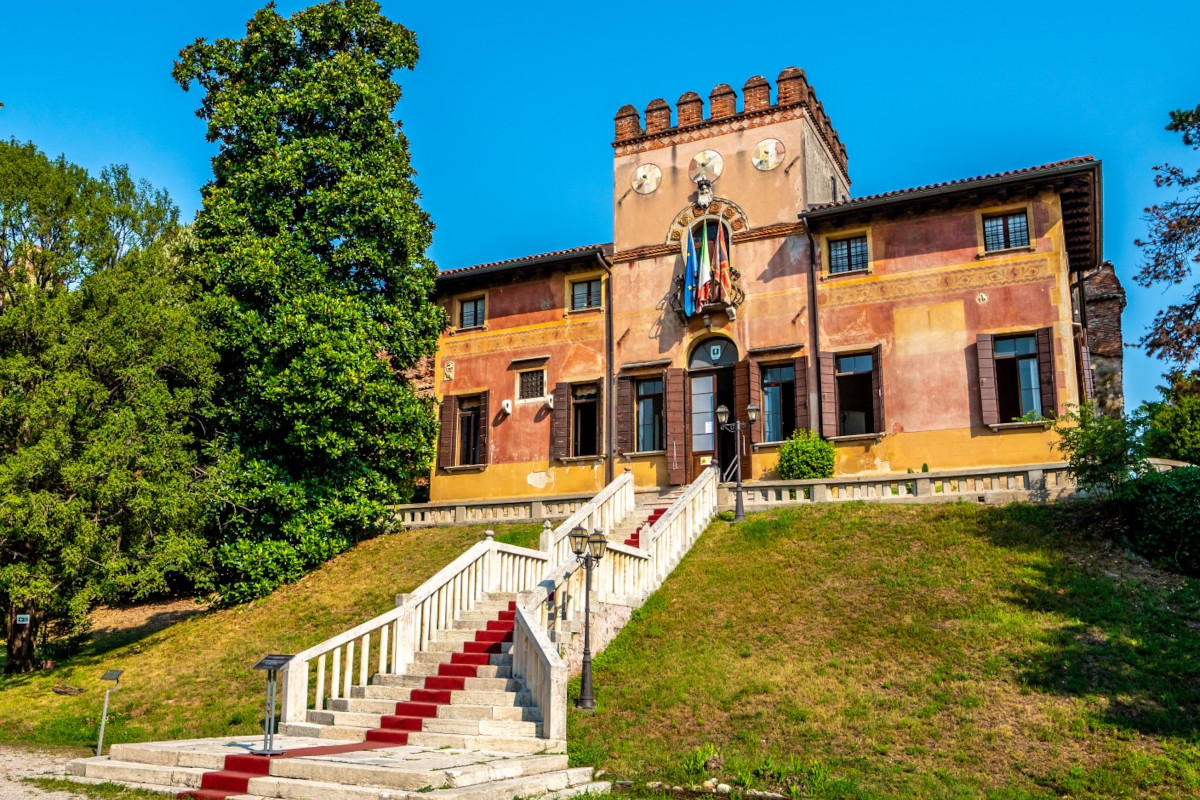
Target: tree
[(313, 245), (1173, 423), (1172, 251), (103, 373)]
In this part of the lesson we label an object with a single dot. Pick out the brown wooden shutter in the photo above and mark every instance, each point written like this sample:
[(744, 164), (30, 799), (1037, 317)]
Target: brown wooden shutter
[(485, 428), (827, 386), (449, 416), (676, 413), (989, 395), (626, 442), (1085, 365), (560, 422), (800, 367), (877, 387), (1045, 347), (601, 450), (747, 389)]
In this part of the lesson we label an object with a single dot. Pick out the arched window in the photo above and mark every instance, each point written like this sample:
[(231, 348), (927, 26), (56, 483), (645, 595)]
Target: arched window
[(708, 268)]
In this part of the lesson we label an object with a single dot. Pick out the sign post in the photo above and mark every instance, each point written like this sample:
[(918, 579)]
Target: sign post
[(113, 675), (271, 664)]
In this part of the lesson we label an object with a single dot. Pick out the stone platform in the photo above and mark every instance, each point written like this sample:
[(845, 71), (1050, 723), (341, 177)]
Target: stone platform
[(324, 769)]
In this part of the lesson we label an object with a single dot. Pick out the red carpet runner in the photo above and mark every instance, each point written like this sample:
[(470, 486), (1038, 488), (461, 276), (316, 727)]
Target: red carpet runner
[(410, 715)]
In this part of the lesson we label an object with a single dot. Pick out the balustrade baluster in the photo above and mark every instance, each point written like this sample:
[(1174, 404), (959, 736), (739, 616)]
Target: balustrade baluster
[(383, 649), (319, 705), (335, 689), (348, 674)]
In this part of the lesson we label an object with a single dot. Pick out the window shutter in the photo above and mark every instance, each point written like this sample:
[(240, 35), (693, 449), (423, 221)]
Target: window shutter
[(560, 423), (877, 387), (600, 419), (676, 414), (485, 427), (747, 389), (827, 380), (625, 416), (1089, 380), (1045, 346), (989, 396), (800, 366), (449, 416)]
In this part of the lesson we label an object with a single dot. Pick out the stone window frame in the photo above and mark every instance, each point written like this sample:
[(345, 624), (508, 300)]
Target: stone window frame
[(846, 234), (1000, 210), (468, 297), (583, 277), (541, 398)]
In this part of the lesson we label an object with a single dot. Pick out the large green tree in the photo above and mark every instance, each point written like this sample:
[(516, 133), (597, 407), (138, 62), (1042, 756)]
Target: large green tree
[(104, 371), (1172, 252), (313, 244)]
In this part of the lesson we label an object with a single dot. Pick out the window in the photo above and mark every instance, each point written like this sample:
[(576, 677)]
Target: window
[(1018, 387), (856, 395), (848, 255), (649, 415), (531, 384), (1005, 231), (470, 313), (585, 294), (779, 402), (585, 420), (469, 426)]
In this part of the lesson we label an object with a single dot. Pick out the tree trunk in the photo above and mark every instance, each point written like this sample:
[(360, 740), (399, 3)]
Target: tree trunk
[(21, 641)]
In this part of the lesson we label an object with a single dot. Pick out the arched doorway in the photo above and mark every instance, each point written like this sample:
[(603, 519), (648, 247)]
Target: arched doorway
[(711, 384)]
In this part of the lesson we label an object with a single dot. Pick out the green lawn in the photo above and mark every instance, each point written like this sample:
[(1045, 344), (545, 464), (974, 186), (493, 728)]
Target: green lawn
[(193, 679), (947, 651)]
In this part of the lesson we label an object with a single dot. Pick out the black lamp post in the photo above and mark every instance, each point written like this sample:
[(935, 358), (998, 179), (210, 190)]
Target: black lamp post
[(588, 551), (736, 428)]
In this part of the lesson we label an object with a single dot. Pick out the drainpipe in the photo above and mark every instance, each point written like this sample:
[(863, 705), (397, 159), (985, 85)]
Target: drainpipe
[(610, 406), (814, 328)]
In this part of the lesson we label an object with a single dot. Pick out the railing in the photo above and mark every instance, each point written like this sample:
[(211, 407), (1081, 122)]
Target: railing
[(1026, 482), (605, 511), (511, 509), (536, 661), (390, 640)]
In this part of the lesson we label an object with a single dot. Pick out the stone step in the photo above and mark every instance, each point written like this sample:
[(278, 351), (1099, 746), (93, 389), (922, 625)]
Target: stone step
[(492, 648), (362, 705), (104, 768), (452, 770), (423, 669), (490, 744), (562, 783), (409, 683), (501, 659), (466, 697)]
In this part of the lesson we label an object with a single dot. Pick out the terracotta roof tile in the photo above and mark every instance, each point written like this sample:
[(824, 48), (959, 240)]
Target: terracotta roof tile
[(555, 255), (964, 183)]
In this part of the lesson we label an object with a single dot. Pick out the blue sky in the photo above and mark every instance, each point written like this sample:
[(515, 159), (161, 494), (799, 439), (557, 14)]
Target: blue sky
[(509, 113)]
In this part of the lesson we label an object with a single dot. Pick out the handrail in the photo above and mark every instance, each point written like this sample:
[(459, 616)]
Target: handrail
[(605, 511)]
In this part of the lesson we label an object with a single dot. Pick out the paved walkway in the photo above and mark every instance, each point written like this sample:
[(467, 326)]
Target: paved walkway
[(17, 763)]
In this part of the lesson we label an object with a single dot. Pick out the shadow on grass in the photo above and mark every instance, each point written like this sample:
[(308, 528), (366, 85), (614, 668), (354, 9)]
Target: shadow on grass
[(1129, 633)]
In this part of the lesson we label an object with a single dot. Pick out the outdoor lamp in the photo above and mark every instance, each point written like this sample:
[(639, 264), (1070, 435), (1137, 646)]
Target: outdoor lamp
[(752, 413), (597, 544), (723, 414), (579, 540)]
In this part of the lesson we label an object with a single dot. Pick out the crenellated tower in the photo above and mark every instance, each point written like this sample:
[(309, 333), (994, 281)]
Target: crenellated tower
[(769, 159)]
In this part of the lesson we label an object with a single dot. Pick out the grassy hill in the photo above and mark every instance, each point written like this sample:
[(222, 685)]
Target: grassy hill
[(949, 651), (854, 651), (194, 678)]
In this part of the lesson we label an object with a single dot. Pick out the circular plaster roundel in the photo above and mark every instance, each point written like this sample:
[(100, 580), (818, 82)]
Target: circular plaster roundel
[(706, 165), (768, 154), (646, 178)]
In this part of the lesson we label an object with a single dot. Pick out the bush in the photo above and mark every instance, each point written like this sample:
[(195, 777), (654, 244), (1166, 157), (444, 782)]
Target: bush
[(805, 455), (1162, 514), (1104, 452), (1173, 424)]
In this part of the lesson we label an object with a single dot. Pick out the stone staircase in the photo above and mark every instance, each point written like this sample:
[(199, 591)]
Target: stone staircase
[(458, 692), (648, 511)]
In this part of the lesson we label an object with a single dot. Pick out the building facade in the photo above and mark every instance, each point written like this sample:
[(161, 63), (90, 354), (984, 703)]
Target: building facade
[(942, 325)]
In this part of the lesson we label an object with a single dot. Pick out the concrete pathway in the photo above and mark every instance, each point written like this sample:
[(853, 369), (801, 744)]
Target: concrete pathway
[(17, 763)]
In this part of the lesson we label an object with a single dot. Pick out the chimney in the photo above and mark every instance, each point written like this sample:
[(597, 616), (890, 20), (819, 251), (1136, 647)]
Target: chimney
[(722, 102), (756, 94), (629, 123), (658, 116), (690, 109)]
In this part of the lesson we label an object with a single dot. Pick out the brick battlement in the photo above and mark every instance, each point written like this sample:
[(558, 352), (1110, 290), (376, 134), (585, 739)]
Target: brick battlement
[(794, 95)]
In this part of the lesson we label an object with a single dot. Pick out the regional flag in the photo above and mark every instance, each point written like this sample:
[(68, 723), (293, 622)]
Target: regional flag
[(723, 272), (689, 277)]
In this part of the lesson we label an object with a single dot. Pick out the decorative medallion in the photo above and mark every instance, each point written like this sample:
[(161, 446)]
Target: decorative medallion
[(448, 371), (981, 298), (768, 154), (706, 165), (646, 178)]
